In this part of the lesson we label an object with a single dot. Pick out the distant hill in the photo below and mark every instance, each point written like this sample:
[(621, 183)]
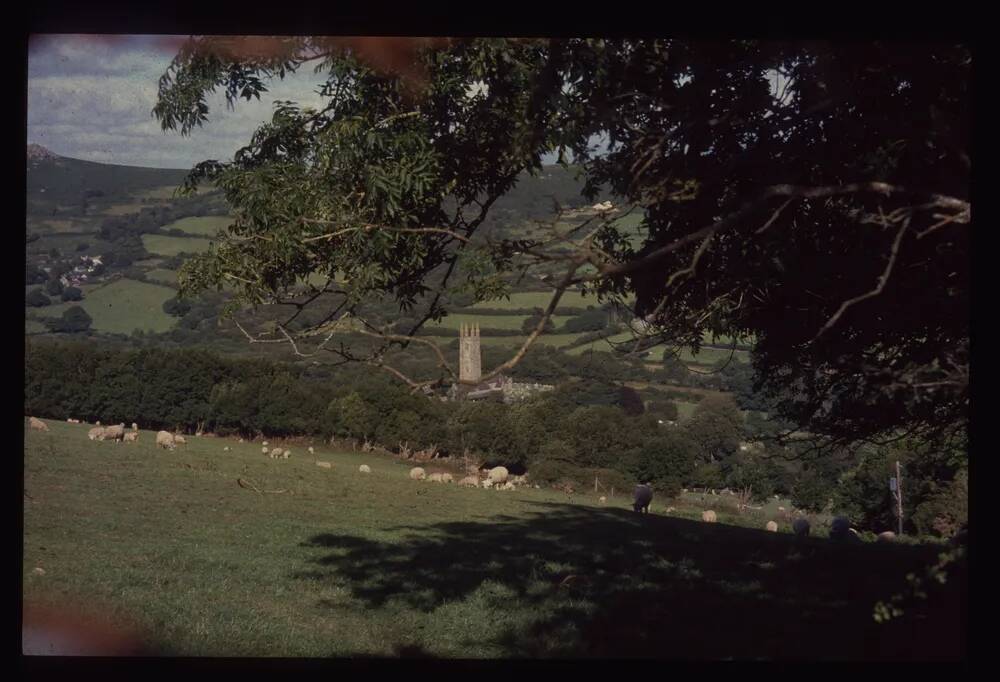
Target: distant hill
[(37, 152), (54, 180)]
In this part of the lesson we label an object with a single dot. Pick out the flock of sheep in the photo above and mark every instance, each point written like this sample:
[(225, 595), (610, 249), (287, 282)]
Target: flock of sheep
[(498, 478)]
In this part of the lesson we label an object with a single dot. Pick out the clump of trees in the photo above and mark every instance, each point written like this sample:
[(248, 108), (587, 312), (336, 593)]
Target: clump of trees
[(37, 299)]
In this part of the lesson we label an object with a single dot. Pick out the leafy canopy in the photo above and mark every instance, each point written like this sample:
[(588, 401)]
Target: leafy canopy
[(810, 196)]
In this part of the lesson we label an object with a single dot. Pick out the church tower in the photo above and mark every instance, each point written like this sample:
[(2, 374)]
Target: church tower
[(470, 363)]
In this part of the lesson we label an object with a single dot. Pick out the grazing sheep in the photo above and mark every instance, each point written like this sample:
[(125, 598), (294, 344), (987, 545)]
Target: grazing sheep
[(365, 469), (286, 454), (131, 437), (772, 526), (447, 478), (887, 536), (418, 474), (487, 484), (642, 497), (470, 482), (115, 433), (801, 527), (38, 424), (507, 486), (602, 499), (225, 449), (708, 516), (165, 440), (311, 451), (498, 474), (179, 439), (839, 528), (264, 450), (275, 453), (436, 478), (325, 465)]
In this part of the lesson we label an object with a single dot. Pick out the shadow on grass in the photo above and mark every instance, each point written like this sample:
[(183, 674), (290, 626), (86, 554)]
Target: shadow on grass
[(610, 583)]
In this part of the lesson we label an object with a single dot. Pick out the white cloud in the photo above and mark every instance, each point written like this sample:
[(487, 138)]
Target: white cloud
[(91, 99)]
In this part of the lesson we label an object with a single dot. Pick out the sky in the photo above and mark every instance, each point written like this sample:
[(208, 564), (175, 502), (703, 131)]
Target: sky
[(90, 97)]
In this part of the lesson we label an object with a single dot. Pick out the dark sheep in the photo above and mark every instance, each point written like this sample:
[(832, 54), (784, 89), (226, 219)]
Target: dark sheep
[(643, 496)]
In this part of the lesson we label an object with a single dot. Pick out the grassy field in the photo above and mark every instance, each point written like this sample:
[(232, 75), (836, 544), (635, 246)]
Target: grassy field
[(162, 275), (684, 410), (34, 327), (171, 246), (540, 299), (349, 564), (493, 321), (122, 306), (202, 225)]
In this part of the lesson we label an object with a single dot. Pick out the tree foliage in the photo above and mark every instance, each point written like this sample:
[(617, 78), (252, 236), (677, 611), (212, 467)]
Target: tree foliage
[(811, 196)]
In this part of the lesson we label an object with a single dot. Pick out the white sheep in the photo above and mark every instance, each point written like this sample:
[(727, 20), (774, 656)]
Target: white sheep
[(264, 450), (487, 484), (602, 499), (179, 439), (165, 440), (772, 526), (325, 465), (264, 443), (286, 454), (498, 474), (225, 449), (365, 469), (96, 433), (418, 474), (709, 516), (436, 478), (311, 450), (470, 481), (135, 427), (447, 478), (507, 486), (276, 453), (97, 423), (38, 424), (115, 433), (131, 437)]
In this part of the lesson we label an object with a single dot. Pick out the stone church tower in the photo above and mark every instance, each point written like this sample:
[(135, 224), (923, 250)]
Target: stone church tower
[(470, 363)]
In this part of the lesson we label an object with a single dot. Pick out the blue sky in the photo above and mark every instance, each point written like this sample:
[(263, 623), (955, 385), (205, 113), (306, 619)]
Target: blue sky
[(90, 97)]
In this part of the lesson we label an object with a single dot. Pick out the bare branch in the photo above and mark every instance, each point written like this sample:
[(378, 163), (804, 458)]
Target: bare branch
[(559, 291), (883, 278)]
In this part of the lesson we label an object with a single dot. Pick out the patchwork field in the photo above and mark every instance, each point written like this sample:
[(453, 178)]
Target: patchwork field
[(162, 275), (122, 306), (540, 299), (454, 320), (340, 563), (171, 246), (201, 225)]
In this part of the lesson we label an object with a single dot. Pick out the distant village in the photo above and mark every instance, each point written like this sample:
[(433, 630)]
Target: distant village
[(79, 274)]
